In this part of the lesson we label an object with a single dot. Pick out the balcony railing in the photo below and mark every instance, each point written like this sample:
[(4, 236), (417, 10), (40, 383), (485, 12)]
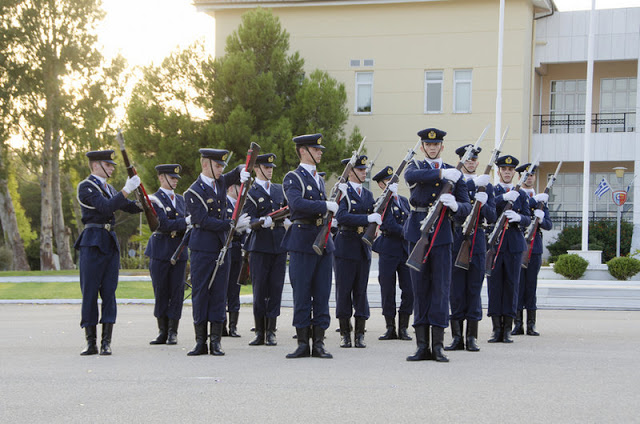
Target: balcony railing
[(563, 219), (564, 123)]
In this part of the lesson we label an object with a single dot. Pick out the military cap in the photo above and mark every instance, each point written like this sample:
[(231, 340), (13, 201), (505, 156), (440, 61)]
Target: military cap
[(322, 174), (386, 172), (460, 151), (101, 155), (507, 160), (432, 135), (311, 140), (218, 155), (170, 169), (525, 167), (361, 162), (266, 160)]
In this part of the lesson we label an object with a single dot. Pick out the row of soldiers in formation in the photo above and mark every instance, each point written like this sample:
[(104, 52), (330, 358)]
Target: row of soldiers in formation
[(436, 294)]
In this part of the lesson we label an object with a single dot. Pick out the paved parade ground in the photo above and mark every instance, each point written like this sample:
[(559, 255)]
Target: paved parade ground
[(584, 368)]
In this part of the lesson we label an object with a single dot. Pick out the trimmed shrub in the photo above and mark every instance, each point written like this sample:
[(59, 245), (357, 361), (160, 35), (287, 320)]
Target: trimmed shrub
[(623, 268), (570, 266), (602, 236)]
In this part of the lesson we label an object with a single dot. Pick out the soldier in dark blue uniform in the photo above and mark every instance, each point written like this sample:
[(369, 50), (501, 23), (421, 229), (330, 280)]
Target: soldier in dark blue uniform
[(529, 275), (167, 279), (99, 256), (207, 204), (502, 285), (352, 255), (467, 284), (392, 250), (235, 257), (431, 283), (267, 257), (310, 273)]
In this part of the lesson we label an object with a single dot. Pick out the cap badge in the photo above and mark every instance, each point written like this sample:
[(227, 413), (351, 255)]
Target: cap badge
[(320, 140), (111, 155), (508, 161), (431, 135), (177, 170), (270, 159), (224, 157), (390, 171)]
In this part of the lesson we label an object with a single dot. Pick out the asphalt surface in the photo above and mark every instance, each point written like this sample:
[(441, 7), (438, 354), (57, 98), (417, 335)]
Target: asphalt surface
[(583, 368)]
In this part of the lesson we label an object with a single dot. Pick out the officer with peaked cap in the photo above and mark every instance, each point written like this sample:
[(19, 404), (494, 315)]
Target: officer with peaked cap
[(502, 285), (310, 273), (168, 280), (431, 284), (235, 267), (99, 251), (529, 275), (393, 253), (206, 203)]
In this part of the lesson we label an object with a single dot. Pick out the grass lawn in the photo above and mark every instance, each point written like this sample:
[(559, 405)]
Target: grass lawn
[(66, 272), (126, 290)]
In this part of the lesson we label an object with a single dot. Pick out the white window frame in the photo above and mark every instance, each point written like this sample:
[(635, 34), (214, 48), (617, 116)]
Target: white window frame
[(426, 90), (457, 81), (358, 85)]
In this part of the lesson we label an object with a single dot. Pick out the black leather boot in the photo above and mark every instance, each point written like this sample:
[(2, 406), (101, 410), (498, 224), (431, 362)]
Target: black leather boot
[(215, 348), (518, 328), (163, 331), (472, 336), (172, 337), (233, 324), (390, 334), (531, 323), (201, 340), (225, 333), (345, 332), (303, 350), (105, 345), (422, 340), (270, 337), (403, 324), (317, 351), (437, 344), (358, 338), (456, 332), (506, 333), (260, 326), (496, 335), (92, 346)]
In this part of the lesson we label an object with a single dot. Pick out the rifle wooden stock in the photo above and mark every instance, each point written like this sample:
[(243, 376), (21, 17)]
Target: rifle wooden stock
[(243, 277), (181, 246), (277, 215)]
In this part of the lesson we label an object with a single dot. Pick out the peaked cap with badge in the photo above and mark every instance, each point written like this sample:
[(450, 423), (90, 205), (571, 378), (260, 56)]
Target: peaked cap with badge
[(266, 160), (361, 162), (460, 151), (507, 161), (101, 155), (432, 135), (310, 140), (386, 172), (170, 169), (217, 155), (525, 167)]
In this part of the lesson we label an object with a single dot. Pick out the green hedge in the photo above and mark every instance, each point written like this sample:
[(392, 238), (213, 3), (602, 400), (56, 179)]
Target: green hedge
[(570, 266), (602, 236), (623, 268)]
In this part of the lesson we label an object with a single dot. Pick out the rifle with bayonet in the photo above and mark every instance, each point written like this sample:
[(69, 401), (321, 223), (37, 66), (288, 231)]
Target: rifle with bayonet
[(502, 224), (370, 166), (322, 237), (252, 155), (382, 202), (437, 211), (532, 230), (469, 227), (141, 193)]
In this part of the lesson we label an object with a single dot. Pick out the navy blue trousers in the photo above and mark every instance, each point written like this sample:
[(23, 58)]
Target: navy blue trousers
[(168, 287), (388, 267), (267, 278), (503, 284), (352, 278), (529, 283), (98, 275), (208, 304), (465, 290), (431, 288), (233, 288), (310, 277)]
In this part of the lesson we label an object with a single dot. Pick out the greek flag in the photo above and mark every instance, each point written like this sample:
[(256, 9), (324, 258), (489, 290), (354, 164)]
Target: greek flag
[(603, 187)]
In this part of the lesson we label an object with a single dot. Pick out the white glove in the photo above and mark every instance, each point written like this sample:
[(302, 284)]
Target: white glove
[(393, 188), (267, 222), (542, 197), (187, 219), (482, 197), (449, 200), (375, 217), (131, 184), (332, 206), (243, 222), (334, 223), (343, 188), (539, 213), (481, 180), (511, 196), (189, 227), (248, 230), (451, 174), (287, 223), (244, 176), (512, 216)]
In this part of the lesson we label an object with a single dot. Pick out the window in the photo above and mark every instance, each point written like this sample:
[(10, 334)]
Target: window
[(364, 92), (617, 98), (433, 91), (462, 91), (568, 100), (354, 63)]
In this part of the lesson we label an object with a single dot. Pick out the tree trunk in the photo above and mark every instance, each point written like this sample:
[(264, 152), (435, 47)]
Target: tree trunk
[(46, 217), (10, 227), (60, 232)]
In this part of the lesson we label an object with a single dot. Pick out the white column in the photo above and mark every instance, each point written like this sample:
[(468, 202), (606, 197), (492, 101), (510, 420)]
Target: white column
[(498, 127), (635, 239)]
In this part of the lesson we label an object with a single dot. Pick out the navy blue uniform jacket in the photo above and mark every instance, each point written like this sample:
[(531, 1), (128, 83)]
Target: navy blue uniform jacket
[(391, 242), (488, 216), (352, 213), (259, 204), (546, 224), (165, 240), (513, 240)]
